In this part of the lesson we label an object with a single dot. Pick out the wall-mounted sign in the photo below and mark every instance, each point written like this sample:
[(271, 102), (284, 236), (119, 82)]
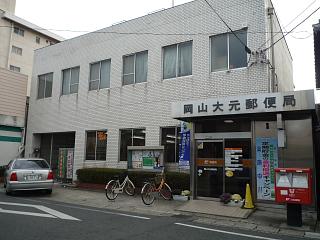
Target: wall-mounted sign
[(65, 163), (266, 162), (233, 159), (258, 103), (184, 146)]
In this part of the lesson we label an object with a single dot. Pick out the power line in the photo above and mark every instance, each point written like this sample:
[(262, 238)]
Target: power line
[(276, 33), (245, 46), (292, 29)]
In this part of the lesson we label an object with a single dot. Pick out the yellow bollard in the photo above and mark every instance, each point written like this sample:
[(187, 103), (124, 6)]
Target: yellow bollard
[(248, 200)]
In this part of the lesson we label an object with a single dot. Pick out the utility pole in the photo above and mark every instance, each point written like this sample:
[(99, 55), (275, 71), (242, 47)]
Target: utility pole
[(272, 84)]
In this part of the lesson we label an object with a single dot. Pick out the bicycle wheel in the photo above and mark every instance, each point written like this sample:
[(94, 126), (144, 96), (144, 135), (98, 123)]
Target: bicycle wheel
[(166, 192), (146, 194), (111, 186), (129, 188)]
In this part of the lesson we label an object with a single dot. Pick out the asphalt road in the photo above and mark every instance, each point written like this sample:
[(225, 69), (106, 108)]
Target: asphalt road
[(30, 216)]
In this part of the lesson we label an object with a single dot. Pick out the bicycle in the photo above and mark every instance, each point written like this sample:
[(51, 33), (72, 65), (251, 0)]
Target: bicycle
[(113, 188), (150, 191)]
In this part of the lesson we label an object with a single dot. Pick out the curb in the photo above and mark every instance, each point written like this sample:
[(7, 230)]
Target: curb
[(312, 235)]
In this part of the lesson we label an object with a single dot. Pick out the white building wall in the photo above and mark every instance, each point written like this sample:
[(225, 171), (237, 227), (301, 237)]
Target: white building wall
[(283, 58), (144, 104)]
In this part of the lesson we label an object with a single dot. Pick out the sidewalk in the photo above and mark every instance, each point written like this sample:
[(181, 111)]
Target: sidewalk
[(263, 219)]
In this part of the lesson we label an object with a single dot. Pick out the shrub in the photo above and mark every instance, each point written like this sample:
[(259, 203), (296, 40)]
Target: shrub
[(98, 175), (176, 180)]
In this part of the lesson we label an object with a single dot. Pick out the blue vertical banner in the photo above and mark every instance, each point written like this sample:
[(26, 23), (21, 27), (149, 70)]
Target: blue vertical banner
[(184, 147), (266, 162)]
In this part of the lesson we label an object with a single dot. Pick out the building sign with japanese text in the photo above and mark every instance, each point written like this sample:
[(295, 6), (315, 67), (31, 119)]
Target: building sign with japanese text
[(184, 146), (259, 103), (266, 162)]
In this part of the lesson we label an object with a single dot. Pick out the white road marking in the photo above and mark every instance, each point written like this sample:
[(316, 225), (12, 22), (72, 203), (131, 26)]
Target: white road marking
[(93, 210), (226, 232), (27, 213), (50, 211), (57, 214)]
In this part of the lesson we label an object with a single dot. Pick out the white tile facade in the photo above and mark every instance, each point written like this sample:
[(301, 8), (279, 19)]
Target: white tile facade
[(144, 104)]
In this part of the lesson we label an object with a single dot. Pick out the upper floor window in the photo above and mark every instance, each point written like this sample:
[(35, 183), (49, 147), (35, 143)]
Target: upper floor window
[(135, 68), (37, 39), (100, 75), (16, 50), (177, 60), (45, 85), (14, 68), (18, 31), (70, 80), (227, 52)]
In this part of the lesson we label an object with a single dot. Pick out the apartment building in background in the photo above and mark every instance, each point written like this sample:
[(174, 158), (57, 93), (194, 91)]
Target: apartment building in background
[(19, 38)]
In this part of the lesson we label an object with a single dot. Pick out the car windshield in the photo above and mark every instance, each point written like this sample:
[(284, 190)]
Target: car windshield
[(30, 164)]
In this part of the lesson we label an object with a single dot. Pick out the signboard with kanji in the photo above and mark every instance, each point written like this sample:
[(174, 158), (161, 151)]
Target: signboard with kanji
[(258, 103), (266, 162)]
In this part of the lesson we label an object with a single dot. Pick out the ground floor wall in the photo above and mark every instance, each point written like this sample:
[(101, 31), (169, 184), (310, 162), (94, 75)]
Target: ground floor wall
[(11, 141), (42, 141)]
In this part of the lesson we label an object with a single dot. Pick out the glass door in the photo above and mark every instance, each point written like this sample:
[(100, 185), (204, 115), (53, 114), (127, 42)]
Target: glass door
[(210, 168), (238, 165)]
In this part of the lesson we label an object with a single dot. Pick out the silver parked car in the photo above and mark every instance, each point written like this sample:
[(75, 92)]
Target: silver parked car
[(28, 174)]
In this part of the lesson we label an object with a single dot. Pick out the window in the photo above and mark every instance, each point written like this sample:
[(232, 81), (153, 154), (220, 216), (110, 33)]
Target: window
[(131, 137), (135, 68), (14, 68), (16, 50), (170, 139), (45, 85), (227, 52), (37, 39), (18, 31), (70, 80), (99, 75), (177, 60), (96, 146)]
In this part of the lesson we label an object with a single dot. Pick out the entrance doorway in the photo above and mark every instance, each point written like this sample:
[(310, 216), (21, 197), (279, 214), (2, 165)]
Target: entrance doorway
[(223, 166)]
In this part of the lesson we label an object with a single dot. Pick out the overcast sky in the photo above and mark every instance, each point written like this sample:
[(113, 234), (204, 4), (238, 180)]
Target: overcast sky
[(79, 15)]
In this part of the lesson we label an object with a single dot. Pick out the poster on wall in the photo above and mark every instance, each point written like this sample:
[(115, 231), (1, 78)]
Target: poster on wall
[(65, 163), (69, 163), (266, 162), (147, 159), (184, 146)]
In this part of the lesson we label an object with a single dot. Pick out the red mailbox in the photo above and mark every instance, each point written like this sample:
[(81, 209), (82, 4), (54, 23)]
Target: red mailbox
[(293, 185)]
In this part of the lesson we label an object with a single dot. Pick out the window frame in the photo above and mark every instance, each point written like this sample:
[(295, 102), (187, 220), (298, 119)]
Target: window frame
[(91, 80), (228, 51), (45, 85), (95, 147), (15, 50), (38, 39), (19, 31), (129, 129), (15, 68), (70, 75), (176, 143), (177, 59), (134, 67)]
